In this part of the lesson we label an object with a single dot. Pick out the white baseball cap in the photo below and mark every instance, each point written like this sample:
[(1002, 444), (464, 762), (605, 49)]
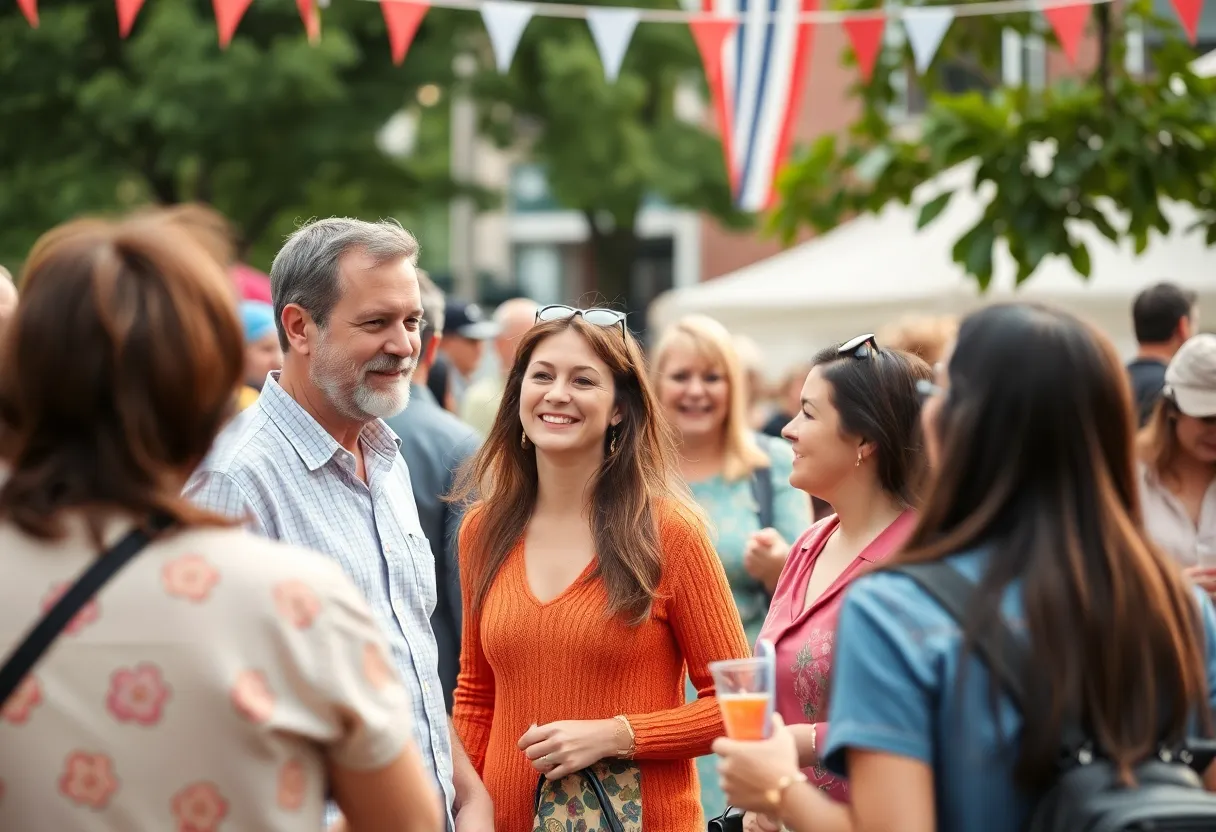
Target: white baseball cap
[(1190, 380)]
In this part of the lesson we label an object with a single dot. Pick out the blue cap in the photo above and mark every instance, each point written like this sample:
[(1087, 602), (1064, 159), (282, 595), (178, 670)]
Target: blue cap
[(257, 319)]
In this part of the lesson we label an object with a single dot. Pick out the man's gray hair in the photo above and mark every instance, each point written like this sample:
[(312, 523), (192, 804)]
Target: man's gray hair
[(433, 308), (305, 271)]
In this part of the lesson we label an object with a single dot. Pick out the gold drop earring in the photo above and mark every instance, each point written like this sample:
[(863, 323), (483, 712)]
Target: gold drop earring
[(523, 440), (612, 443)]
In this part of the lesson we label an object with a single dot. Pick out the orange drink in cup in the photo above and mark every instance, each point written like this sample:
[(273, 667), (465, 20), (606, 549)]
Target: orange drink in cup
[(745, 695)]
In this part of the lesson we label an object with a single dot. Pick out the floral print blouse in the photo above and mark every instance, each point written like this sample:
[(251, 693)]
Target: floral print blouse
[(206, 688), (804, 638)]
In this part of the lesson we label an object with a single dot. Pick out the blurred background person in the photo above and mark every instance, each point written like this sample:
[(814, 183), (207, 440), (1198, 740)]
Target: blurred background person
[(463, 346), (788, 401), (589, 583), (925, 336), (857, 445), (1164, 316), (1178, 461), (513, 318), (435, 444), (755, 386), (219, 677), (263, 354), (1033, 500), (738, 477)]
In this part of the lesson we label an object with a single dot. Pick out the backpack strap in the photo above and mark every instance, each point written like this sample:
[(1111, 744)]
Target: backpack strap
[(47, 630), (762, 492), (1001, 651)]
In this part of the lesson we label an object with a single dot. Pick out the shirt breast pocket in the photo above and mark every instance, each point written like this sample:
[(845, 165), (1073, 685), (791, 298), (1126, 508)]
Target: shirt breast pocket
[(418, 552)]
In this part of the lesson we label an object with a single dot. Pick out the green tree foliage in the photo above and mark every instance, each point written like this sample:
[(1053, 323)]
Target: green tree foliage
[(271, 131), (608, 148), (1122, 146)]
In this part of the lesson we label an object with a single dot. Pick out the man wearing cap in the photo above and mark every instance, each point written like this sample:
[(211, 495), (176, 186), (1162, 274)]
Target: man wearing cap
[(1178, 453), (466, 330), (263, 355)]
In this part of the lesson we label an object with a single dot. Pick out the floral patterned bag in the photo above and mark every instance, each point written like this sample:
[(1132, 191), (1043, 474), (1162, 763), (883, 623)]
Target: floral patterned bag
[(605, 797)]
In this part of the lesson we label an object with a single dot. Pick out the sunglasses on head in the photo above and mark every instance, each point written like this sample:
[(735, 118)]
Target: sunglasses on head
[(597, 316), (863, 346)]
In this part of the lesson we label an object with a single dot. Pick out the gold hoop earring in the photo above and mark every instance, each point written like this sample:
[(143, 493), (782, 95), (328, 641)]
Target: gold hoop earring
[(612, 443), (523, 440)]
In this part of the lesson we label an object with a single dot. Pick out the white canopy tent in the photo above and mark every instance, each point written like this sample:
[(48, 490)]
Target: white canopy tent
[(875, 269)]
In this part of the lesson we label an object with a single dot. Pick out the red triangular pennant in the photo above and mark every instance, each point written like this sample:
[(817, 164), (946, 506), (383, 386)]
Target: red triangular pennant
[(312, 19), (1068, 22), (128, 10), (865, 36), (1188, 12), (228, 14), (402, 19), (710, 33), (29, 8)]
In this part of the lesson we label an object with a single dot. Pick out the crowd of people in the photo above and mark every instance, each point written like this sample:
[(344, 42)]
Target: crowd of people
[(355, 578)]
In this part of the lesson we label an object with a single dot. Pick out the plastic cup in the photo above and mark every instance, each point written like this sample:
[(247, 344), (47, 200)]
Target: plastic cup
[(745, 695)]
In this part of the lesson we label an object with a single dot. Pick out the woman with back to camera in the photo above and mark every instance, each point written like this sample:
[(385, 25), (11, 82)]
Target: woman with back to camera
[(588, 582), (1034, 500), (856, 442), (218, 680), (1178, 462)]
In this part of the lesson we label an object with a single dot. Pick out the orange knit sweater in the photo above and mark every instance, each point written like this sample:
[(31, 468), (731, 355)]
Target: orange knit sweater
[(524, 662)]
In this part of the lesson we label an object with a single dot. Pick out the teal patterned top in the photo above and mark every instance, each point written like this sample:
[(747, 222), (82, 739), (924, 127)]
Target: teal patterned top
[(734, 518)]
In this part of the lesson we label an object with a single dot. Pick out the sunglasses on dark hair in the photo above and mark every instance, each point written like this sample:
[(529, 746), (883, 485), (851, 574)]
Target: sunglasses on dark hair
[(597, 316), (863, 346)]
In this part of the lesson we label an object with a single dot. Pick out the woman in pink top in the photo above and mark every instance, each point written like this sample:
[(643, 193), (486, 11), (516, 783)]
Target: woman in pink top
[(856, 446)]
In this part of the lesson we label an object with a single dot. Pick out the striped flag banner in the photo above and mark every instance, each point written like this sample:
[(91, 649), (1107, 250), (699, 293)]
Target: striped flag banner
[(757, 92)]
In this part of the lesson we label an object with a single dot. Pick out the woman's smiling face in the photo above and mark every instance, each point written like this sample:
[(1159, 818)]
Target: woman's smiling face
[(568, 398)]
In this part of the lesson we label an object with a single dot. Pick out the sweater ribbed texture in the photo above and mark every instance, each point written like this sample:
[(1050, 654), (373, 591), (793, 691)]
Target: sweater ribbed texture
[(524, 662)]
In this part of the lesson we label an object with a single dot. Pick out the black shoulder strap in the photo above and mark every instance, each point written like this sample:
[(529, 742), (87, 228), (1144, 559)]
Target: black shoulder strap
[(44, 633), (762, 493), (999, 648)]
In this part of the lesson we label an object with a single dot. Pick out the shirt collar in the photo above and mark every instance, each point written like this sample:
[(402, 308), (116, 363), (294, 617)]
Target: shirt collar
[(312, 442)]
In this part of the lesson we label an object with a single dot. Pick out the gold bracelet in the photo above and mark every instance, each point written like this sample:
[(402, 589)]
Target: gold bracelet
[(775, 794), (632, 745)]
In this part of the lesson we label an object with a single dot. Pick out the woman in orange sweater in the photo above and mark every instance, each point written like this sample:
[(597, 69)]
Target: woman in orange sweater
[(589, 584)]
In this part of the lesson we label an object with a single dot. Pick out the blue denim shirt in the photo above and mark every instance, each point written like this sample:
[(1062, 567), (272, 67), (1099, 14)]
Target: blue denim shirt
[(894, 690)]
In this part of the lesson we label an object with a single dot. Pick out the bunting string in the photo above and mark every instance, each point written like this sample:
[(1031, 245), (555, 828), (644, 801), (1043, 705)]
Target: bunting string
[(573, 10)]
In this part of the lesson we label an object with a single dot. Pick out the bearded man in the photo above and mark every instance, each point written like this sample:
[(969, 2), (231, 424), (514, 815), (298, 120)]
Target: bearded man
[(313, 463)]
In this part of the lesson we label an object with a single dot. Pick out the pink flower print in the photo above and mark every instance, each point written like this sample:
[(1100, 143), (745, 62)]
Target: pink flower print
[(87, 615), (292, 785), (812, 668), (137, 694), (375, 668), (190, 577), (199, 807), (88, 779), (21, 704), (297, 603), (252, 696)]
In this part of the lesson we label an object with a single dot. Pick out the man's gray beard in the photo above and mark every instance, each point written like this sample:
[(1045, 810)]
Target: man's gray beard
[(344, 384)]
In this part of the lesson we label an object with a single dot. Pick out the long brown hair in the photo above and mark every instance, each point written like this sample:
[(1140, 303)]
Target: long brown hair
[(1157, 443), (633, 486), (1037, 468), (117, 371)]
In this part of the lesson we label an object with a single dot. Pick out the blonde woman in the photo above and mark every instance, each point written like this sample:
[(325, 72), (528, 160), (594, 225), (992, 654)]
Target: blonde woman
[(740, 478)]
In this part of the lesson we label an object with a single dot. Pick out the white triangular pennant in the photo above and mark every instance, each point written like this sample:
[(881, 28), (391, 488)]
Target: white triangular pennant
[(505, 23), (612, 29), (926, 27)]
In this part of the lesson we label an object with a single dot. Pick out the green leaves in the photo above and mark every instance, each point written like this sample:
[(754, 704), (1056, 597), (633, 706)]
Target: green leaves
[(1104, 152)]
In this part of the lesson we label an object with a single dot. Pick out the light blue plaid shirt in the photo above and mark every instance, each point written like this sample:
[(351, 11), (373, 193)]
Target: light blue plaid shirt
[(277, 469)]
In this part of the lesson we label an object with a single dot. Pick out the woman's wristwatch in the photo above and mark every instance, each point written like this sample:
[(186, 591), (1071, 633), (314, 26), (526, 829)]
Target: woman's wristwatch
[(776, 794)]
